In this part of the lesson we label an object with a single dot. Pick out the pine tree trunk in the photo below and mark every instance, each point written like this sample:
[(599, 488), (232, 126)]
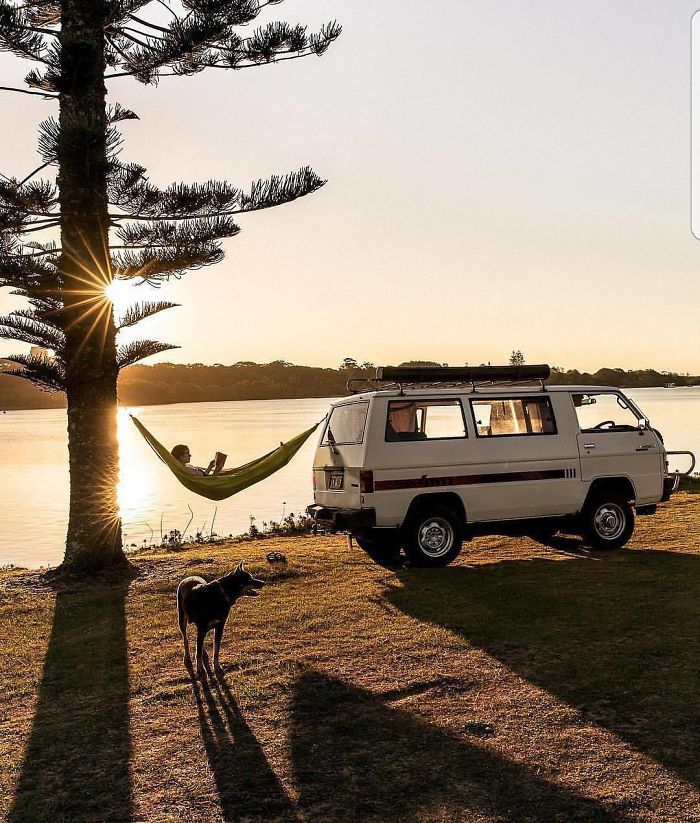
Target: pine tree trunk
[(94, 540)]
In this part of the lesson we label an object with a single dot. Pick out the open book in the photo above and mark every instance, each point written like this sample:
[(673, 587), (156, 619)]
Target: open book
[(220, 459)]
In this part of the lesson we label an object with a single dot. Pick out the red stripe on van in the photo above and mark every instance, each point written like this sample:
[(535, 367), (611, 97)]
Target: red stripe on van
[(426, 482)]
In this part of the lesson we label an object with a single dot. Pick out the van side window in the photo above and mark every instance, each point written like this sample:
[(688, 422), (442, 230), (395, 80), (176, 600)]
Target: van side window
[(346, 425), (513, 416), (424, 420)]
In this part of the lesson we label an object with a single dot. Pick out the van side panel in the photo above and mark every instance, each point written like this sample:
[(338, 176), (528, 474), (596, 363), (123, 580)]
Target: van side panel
[(497, 478), (526, 475)]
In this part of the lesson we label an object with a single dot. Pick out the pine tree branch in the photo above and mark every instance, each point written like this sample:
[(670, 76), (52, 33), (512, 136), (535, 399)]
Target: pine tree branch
[(183, 234), (11, 41), (36, 171), (138, 247), (203, 201), (117, 113), (44, 253), (135, 314), (208, 40), (133, 352), (121, 32), (45, 95), (51, 225), (20, 201), (149, 25), (237, 67), (166, 6), (40, 30), (42, 12), (40, 314), (30, 330), (45, 373), (154, 265), (119, 51)]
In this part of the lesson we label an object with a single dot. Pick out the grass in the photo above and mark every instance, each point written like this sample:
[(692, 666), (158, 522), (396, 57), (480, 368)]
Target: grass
[(525, 682)]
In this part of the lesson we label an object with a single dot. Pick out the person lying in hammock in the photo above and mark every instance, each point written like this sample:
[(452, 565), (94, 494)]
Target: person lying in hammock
[(181, 452)]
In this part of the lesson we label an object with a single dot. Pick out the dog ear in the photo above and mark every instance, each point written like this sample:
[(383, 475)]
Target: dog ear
[(239, 568)]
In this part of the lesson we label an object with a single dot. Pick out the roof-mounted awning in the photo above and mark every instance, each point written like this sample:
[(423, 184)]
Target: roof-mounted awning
[(444, 376), (469, 374)]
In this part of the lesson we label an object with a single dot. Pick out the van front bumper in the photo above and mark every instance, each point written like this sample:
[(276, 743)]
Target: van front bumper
[(350, 520), (671, 484)]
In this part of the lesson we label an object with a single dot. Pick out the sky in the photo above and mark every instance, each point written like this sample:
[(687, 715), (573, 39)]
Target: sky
[(501, 176)]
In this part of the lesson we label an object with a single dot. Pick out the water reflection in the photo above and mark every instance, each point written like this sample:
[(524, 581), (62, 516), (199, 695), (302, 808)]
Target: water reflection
[(138, 477)]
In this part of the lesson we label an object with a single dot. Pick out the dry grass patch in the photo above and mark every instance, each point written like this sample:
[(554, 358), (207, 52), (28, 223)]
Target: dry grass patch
[(525, 682)]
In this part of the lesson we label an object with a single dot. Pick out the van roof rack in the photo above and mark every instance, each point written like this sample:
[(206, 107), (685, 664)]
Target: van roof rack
[(449, 376)]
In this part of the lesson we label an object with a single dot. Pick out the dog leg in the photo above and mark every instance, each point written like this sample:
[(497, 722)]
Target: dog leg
[(187, 660), (202, 656), (218, 634), (182, 623)]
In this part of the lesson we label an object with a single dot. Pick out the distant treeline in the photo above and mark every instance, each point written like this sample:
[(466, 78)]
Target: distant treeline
[(176, 383), (636, 379)]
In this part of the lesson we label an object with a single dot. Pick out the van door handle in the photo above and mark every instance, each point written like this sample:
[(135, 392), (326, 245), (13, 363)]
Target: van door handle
[(644, 448), (589, 445)]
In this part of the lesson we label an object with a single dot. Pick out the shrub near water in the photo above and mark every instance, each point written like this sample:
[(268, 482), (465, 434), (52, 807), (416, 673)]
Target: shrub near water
[(690, 484), (289, 526)]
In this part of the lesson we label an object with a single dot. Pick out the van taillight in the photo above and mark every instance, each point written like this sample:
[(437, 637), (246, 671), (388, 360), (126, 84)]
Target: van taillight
[(366, 482), (313, 480)]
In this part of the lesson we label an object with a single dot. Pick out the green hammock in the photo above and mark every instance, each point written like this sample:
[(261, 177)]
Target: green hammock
[(219, 487)]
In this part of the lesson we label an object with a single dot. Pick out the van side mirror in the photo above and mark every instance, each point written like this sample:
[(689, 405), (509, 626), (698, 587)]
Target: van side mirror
[(643, 424)]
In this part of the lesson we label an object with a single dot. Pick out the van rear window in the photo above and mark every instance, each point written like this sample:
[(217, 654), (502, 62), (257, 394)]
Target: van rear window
[(346, 425)]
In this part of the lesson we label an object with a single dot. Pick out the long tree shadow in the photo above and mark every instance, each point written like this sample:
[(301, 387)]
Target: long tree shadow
[(247, 786), (355, 758), (617, 636), (76, 765)]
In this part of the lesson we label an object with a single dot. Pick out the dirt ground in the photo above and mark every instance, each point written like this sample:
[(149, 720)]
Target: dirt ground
[(526, 682)]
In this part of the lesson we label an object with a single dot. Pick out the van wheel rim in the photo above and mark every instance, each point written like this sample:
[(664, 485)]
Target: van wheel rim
[(610, 521), (435, 537)]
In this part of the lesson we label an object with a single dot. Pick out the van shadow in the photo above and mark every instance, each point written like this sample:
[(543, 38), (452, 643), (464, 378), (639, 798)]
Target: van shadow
[(76, 766), (247, 786), (617, 636), (355, 758)]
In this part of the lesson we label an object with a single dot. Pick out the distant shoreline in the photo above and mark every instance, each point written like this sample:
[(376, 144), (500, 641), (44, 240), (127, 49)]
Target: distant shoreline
[(168, 383)]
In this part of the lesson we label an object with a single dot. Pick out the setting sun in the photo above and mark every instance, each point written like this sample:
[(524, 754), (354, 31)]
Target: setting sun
[(120, 295)]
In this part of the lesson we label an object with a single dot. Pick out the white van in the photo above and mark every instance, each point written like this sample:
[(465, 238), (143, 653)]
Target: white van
[(427, 458)]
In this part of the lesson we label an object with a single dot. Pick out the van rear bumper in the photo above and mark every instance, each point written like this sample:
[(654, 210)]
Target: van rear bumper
[(342, 519)]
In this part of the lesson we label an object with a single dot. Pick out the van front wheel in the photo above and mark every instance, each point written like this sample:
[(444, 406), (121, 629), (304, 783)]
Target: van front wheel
[(433, 537), (608, 522)]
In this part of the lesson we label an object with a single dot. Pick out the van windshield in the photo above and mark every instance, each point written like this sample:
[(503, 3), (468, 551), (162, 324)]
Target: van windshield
[(346, 425)]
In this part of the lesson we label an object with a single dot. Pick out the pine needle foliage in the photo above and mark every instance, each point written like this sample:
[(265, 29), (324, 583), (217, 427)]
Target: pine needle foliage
[(140, 311), (154, 233)]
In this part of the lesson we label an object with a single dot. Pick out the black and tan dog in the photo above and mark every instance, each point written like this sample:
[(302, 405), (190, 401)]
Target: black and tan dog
[(207, 606)]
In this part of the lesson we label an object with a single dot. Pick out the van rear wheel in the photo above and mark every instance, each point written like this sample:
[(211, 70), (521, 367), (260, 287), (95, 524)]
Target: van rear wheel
[(608, 522), (433, 537)]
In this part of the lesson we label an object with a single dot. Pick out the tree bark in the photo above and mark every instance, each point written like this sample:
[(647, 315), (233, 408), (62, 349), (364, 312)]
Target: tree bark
[(94, 539)]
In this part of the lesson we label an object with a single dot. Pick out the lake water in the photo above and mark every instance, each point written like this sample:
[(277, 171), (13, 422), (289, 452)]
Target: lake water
[(34, 473)]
